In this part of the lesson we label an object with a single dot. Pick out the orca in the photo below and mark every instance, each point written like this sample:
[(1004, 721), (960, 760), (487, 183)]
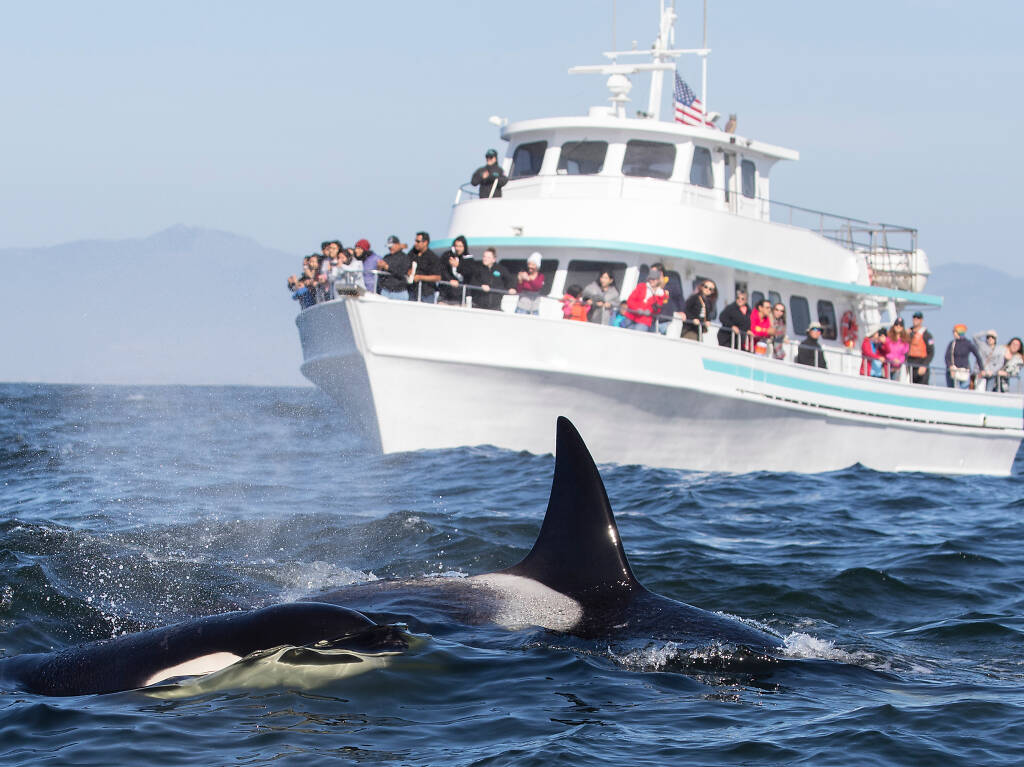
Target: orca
[(575, 580), (194, 648)]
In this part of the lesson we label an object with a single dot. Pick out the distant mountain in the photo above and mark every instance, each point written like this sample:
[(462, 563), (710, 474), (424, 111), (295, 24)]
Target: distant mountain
[(978, 296), (185, 305)]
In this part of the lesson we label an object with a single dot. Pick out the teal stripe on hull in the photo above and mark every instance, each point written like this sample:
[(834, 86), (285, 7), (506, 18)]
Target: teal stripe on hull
[(860, 395), (706, 258)]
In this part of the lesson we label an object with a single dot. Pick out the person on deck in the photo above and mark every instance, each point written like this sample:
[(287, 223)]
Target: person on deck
[(493, 279), (735, 321), (603, 296), (698, 310), (426, 270), (761, 324), (369, 260), (810, 352), (958, 358), (993, 354), (644, 301), (394, 282), (873, 350), (489, 177), (672, 308), (779, 331), (921, 352), (455, 266), (898, 344), (529, 283)]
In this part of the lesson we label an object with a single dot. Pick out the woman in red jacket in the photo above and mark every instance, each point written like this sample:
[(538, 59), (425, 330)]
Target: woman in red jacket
[(873, 352), (643, 301)]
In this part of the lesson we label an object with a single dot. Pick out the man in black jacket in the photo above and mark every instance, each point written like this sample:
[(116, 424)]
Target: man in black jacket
[(810, 352), (490, 177), (735, 319), (394, 283), (426, 271), (921, 352), (490, 276)]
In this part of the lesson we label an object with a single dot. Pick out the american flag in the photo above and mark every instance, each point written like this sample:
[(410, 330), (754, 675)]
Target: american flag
[(688, 107)]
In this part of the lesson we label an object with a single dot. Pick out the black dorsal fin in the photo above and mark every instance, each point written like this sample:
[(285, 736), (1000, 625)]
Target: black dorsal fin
[(578, 550)]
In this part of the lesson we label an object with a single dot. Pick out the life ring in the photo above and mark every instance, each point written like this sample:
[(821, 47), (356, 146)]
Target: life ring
[(848, 328)]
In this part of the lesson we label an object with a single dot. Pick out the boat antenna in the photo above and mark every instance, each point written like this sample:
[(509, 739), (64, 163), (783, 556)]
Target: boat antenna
[(663, 59), (704, 67)]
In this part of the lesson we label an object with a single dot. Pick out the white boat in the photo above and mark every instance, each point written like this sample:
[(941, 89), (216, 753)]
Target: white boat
[(607, 190)]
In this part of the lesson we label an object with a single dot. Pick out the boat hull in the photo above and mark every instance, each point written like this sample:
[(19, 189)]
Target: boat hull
[(411, 376)]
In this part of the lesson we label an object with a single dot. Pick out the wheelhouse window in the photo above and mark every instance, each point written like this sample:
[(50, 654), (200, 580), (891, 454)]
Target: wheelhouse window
[(548, 267), (583, 273), (748, 174), (827, 318), (800, 312), (755, 298), (774, 297), (701, 173), (652, 159), (582, 158), (527, 159)]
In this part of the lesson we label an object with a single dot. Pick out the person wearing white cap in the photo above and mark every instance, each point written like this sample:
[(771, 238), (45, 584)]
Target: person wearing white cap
[(529, 284), (993, 354), (810, 352)]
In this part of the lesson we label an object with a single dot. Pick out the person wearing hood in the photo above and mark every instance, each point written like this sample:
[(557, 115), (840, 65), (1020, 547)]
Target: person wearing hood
[(958, 358), (529, 284), (993, 355), (456, 263), (489, 177)]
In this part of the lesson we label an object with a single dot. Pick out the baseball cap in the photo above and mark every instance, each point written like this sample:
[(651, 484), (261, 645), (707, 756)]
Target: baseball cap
[(393, 240), (814, 326), (918, 315), (491, 153)]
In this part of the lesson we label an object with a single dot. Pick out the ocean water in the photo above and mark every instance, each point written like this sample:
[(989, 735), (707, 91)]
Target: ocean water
[(900, 598)]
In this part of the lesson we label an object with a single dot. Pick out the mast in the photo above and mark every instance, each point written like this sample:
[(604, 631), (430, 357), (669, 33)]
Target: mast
[(663, 58)]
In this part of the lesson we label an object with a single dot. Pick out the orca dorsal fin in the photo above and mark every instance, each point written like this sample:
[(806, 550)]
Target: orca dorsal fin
[(578, 549)]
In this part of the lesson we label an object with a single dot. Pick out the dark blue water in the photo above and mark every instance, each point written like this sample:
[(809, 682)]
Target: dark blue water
[(900, 596)]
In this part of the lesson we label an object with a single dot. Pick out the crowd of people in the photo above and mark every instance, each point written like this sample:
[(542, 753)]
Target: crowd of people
[(456, 277)]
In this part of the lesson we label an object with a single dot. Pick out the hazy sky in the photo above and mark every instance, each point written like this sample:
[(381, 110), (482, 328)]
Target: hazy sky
[(292, 122)]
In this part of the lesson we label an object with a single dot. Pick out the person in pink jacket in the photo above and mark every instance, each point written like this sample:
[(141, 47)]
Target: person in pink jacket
[(898, 344)]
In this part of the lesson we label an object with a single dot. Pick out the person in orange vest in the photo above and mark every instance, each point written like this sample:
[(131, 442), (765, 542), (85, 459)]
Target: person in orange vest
[(921, 351), (573, 306)]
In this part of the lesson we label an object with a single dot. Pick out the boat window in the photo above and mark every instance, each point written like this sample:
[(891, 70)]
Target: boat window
[(652, 159), (800, 313), (582, 158), (583, 273), (527, 158), (748, 173), (701, 173), (827, 318), (775, 297), (548, 267), (756, 297)]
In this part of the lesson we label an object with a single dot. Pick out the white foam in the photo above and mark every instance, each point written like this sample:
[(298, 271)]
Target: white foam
[(524, 602)]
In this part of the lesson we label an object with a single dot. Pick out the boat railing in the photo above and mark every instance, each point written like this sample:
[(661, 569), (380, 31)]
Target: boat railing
[(889, 251), (838, 360)]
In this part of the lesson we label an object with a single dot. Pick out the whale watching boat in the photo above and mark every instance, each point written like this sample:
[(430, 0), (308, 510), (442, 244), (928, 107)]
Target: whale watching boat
[(608, 191)]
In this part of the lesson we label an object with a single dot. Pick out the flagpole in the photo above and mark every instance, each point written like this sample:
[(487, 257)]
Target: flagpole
[(704, 70)]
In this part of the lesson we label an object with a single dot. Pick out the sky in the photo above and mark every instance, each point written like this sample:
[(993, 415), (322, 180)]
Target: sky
[(292, 123)]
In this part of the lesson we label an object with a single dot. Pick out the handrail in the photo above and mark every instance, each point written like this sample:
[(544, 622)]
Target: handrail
[(840, 360)]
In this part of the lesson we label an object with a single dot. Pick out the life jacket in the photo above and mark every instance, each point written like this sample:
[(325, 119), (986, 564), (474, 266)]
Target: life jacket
[(918, 348)]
